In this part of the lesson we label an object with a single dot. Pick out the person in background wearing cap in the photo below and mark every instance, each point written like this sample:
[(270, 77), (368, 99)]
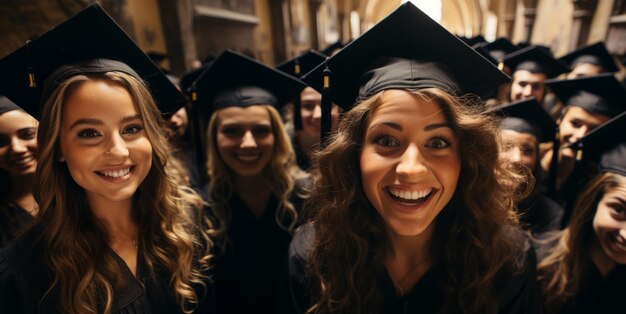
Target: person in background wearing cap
[(253, 178), (307, 110), (495, 52), (531, 66), (589, 60), (18, 147), (589, 102), (524, 126), (583, 268), (114, 233), (407, 195)]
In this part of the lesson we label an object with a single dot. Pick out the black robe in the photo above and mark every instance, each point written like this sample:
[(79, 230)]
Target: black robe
[(24, 279), (249, 267), (599, 295), (540, 214), (518, 293), (12, 219)]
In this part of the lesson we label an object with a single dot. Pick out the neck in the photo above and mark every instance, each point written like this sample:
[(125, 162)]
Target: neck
[(599, 258), (116, 216), (565, 167), (411, 249), (22, 185), (246, 185)]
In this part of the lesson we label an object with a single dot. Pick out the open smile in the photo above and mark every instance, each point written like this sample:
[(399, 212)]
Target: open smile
[(116, 175), (411, 198), (248, 157)]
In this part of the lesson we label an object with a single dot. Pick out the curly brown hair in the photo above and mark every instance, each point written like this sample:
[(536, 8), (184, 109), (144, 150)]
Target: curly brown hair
[(75, 242), (350, 235), (560, 272)]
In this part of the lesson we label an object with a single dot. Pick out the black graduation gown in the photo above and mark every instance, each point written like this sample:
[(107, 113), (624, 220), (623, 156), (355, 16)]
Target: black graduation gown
[(599, 295), (24, 279), (248, 269), (518, 293), (301, 156), (540, 214), (12, 219)]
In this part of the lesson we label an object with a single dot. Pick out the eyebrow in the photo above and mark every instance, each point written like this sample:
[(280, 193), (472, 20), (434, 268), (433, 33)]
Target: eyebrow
[(89, 121), (398, 127)]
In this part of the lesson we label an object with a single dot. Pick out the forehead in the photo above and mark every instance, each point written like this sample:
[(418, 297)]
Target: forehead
[(98, 99), (617, 191), (527, 76), (244, 115), (402, 105), (510, 136), (16, 119), (576, 112)]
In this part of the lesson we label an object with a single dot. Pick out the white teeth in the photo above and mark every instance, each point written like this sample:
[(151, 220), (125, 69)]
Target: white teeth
[(619, 243), (117, 174), (410, 195)]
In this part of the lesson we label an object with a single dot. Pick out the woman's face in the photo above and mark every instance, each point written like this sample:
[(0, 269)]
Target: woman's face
[(410, 162), (244, 139), (519, 150), (576, 123), (311, 112), (609, 224), (18, 142), (103, 141)]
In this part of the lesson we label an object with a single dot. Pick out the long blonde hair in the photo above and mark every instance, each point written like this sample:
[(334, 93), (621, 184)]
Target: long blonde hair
[(562, 269), (281, 173), (348, 254), (75, 242)]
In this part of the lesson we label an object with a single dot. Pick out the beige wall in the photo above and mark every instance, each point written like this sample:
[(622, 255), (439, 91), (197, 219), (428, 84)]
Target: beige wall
[(263, 42)]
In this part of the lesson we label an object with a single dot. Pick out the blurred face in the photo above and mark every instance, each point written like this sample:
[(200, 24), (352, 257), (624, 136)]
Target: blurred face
[(609, 224), (103, 141), (584, 69), (576, 123), (410, 162), (244, 139), (311, 112), (18, 142), (526, 84), (519, 150), (177, 125)]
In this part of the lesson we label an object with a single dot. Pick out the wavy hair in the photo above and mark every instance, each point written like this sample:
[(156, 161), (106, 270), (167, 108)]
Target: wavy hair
[(281, 173), (351, 234), (560, 272), (75, 242)]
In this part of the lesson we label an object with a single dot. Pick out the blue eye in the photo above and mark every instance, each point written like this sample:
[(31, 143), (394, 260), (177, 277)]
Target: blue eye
[(88, 133), (439, 143)]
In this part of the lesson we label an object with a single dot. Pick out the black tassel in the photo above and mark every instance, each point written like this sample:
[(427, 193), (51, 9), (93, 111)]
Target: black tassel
[(326, 107), (297, 115), (32, 83), (554, 164)]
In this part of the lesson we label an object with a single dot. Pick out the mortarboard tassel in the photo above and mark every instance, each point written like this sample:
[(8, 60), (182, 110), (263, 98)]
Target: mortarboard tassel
[(579, 151), (32, 83), (326, 107), (554, 163), (193, 93), (297, 116), (500, 65)]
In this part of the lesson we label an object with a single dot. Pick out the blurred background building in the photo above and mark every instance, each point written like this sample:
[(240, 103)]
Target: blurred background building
[(274, 30)]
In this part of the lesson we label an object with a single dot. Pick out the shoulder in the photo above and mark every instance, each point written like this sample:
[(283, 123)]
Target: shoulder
[(300, 248)]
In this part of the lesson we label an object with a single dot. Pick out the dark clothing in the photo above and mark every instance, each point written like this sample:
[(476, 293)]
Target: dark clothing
[(187, 157), (24, 280), (302, 159), (540, 214), (248, 268), (599, 295), (12, 219), (518, 293)]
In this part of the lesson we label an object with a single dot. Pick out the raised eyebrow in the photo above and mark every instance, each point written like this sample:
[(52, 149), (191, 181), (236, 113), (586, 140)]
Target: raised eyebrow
[(389, 124), (431, 127), (131, 118)]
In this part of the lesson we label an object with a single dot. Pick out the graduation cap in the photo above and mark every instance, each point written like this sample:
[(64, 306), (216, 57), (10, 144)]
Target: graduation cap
[(527, 116), (472, 41), (499, 48), (297, 67), (188, 78), (330, 49), (7, 105), (89, 42), (237, 80), (535, 60), (595, 54), (598, 94)]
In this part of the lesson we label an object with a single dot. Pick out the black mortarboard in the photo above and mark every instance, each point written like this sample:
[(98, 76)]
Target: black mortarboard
[(302, 64), (330, 49), (156, 56), (188, 78), (527, 116), (535, 60), (499, 48), (598, 94), (596, 54), (237, 80), (406, 50), (7, 105), (297, 67), (472, 41), (89, 42), (603, 139)]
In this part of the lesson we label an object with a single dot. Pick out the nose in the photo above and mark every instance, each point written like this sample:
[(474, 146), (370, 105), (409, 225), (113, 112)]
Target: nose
[(412, 163), (528, 90), (578, 134), (622, 233), (515, 154), (317, 112), (118, 149), (248, 140), (18, 146)]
